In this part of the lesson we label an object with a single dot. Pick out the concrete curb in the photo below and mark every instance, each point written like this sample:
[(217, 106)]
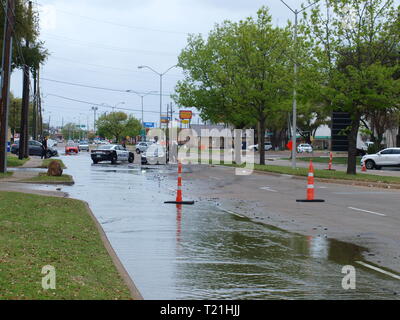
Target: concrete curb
[(120, 268)]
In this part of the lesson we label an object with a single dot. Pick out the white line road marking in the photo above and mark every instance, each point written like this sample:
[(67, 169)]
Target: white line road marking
[(231, 212), (379, 270), (215, 178), (362, 210), (268, 189)]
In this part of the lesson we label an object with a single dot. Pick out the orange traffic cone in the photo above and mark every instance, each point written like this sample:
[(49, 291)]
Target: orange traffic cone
[(330, 165), (364, 168), (179, 199), (310, 186)]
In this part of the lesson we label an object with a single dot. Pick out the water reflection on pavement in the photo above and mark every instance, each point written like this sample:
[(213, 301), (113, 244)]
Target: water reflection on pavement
[(202, 252)]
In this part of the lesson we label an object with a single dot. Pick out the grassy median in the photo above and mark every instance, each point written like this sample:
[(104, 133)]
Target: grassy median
[(324, 174), (44, 178), (46, 162), (36, 231), (13, 161), (335, 160), (5, 175)]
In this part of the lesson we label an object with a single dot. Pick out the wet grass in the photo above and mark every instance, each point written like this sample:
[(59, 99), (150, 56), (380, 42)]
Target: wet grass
[(325, 174), (13, 161), (36, 231), (5, 175), (335, 160), (46, 162), (44, 178)]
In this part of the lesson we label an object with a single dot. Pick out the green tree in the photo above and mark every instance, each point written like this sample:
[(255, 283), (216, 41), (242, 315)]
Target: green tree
[(240, 75), (71, 131), (117, 125), (26, 29), (352, 57), (132, 127)]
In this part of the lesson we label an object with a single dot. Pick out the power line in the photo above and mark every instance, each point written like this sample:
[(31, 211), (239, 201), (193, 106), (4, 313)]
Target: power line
[(97, 88), (106, 47), (98, 104), (120, 24), (108, 67)]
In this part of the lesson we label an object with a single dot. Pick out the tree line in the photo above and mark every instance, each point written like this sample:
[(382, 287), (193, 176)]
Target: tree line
[(348, 53), (28, 54)]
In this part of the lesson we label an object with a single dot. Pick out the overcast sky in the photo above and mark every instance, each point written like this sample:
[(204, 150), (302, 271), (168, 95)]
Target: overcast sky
[(101, 43)]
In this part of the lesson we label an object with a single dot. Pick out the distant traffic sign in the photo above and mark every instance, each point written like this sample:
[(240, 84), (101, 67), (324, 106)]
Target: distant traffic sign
[(149, 124)]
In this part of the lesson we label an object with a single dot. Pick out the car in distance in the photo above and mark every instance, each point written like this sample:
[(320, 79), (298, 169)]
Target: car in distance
[(83, 145), (267, 147), (389, 157), (112, 153), (35, 148), (155, 154), (305, 147), (71, 147), (142, 147)]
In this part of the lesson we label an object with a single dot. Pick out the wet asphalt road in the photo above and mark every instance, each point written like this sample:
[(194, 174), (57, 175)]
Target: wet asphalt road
[(203, 252)]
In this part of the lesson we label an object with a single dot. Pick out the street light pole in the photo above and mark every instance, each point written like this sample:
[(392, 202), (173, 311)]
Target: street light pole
[(94, 120), (142, 99), (294, 122), (161, 78)]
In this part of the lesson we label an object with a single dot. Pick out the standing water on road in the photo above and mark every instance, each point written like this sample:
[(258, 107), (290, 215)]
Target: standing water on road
[(203, 252)]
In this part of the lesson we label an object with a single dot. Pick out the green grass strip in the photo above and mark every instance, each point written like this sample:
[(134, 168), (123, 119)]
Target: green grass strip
[(43, 177), (13, 162), (324, 174), (46, 162), (36, 231)]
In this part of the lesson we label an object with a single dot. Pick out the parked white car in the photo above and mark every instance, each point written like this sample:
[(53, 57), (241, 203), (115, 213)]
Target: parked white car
[(155, 154), (267, 147), (304, 148), (386, 158)]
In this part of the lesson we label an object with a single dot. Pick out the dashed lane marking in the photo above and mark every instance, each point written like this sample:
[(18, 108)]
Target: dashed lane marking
[(268, 189), (379, 270), (367, 211)]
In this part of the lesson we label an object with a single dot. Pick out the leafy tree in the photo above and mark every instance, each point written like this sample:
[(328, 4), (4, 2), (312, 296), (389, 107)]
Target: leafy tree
[(71, 131), (240, 75), (26, 29), (352, 59), (117, 125), (132, 127)]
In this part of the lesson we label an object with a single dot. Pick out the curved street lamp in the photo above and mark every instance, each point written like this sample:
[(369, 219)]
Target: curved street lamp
[(141, 95), (161, 77)]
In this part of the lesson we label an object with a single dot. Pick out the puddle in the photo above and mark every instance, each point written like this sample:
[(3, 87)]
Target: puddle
[(201, 252)]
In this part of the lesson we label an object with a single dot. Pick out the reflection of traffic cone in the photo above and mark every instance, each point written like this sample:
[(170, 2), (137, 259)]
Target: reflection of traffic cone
[(310, 186), (179, 191), (364, 168)]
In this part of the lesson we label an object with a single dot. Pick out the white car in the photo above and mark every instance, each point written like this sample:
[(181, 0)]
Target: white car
[(386, 158), (155, 154), (304, 148), (267, 147), (142, 146)]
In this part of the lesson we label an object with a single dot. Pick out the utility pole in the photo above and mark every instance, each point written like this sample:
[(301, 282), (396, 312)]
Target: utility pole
[(34, 111), (40, 115), (24, 135), (5, 81)]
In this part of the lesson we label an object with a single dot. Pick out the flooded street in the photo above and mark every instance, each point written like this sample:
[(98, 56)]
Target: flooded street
[(205, 252)]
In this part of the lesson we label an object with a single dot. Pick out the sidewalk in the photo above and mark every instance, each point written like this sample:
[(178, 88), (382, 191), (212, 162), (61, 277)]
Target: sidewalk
[(21, 173)]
